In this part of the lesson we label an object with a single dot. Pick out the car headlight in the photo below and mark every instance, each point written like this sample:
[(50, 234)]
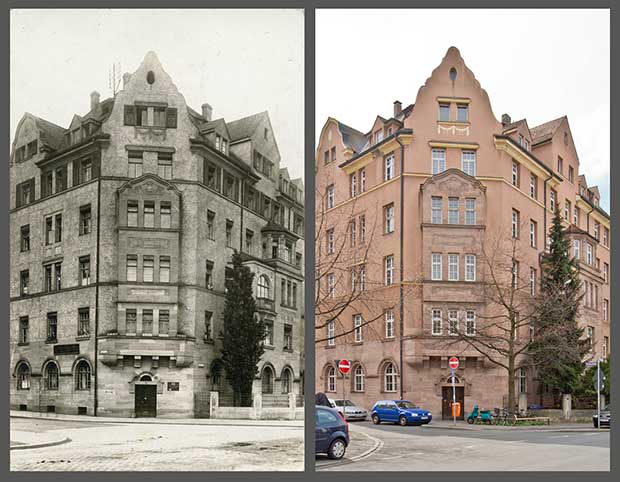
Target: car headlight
[(415, 415)]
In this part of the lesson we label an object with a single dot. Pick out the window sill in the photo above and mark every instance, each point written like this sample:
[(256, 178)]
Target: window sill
[(288, 350), (51, 342), (329, 347), (23, 343), (209, 341), (269, 347), (82, 337)]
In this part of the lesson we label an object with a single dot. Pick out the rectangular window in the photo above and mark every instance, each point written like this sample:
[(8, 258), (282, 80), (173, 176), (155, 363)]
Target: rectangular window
[(149, 214), (330, 241), (533, 186), (576, 216), (24, 282), (164, 322), (352, 232), (268, 333), (24, 329), (142, 117), (576, 248), (130, 321), (389, 324), (389, 270), (333, 153), (208, 326), (331, 333), (147, 269), (468, 162), (135, 161), (147, 322), (159, 116), (470, 323), (567, 209), (533, 230), (571, 174), (470, 211), (438, 157), (436, 266), (362, 228), (515, 224), (171, 117), (58, 275), (362, 281), (209, 275), (590, 336), (212, 176), (57, 228), (462, 112), (605, 310), (532, 281), (597, 230), (362, 180), (353, 279), (83, 321), (84, 270), (436, 322), (249, 240), (164, 215), (515, 174), (552, 196), (378, 136), (164, 165), (389, 167), (436, 210), (210, 224), (515, 274), (330, 196), (606, 272), (353, 182), (132, 214), (229, 237), (453, 322), (357, 320), (589, 254), (560, 165), (164, 269), (288, 338), (389, 218), (453, 210), (453, 267), (331, 285), (52, 326), (49, 277), (444, 112), (85, 219), (24, 243), (132, 267), (86, 170), (61, 179), (470, 267)]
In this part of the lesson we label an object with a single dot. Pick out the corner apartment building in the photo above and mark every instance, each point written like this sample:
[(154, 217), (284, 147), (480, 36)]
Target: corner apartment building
[(123, 226), (409, 207)]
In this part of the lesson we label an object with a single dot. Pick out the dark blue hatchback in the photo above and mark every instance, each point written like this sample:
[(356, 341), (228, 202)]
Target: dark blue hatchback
[(331, 432), (399, 411)]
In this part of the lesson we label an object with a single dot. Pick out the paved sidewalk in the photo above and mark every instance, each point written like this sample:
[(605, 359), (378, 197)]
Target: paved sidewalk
[(164, 421), (21, 440), (554, 427)]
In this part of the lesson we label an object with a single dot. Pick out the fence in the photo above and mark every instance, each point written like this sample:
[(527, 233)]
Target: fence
[(264, 407)]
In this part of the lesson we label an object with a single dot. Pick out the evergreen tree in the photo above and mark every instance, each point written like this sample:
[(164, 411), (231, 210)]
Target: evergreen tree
[(243, 333), (558, 348)]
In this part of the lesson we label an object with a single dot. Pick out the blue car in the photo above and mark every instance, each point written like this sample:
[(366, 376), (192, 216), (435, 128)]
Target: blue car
[(399, 411), (331, 432)]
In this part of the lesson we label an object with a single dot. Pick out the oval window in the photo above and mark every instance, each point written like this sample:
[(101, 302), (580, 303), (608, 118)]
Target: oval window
[(150, 77), (452, 74)]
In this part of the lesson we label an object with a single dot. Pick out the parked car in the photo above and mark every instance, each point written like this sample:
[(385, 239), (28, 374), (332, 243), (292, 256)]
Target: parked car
[(402, 412), (605, 418), (320, 399), (331, 432), (349, 409)]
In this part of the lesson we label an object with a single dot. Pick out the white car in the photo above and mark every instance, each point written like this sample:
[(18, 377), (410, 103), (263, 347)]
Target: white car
[(351, 411)]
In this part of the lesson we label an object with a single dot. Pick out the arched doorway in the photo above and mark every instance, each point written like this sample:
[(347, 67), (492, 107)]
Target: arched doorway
[(447, 398), (267, 380), (286, 381), (146, 396)]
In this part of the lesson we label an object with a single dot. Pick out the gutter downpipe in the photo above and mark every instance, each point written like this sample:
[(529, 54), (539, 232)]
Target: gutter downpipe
[(401, 293)]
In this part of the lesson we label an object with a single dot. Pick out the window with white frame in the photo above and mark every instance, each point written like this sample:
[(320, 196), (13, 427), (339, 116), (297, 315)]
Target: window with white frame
[(331, 333), (362, 280), (389, 324), (362, 180), (358, 379), (590, 336), (438, 161), (353, 279), (515, 174), (453, 267), (470, 322), (453, 322), (515, 274), (470, 210), (522, 378), (389, 167), (330, 241), (357, 323), (453, 210), (330, 196), (533, 186), (436, 266), (552, 200), (436, 210), (468, 162), (533, 226), (589, 254), (331, 285), (515, 223), (353, 181), (576, 248), (436, 322), (470, 267), (389, 269), (331, 379), (362, 228), (353, 232), (532, 281), (389, 378), (605, 310), (576, 216), (606, 272)]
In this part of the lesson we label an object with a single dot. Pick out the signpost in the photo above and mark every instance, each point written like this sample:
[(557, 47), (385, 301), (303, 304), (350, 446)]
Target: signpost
[(344, 366), (599, 380), (453, 363)]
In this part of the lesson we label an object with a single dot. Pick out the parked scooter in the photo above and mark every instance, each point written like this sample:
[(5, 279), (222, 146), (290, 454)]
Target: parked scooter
[(480, 416)]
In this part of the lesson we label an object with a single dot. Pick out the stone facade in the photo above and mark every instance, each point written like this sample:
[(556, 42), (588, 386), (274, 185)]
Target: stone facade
[(434, 186), (122, 228)]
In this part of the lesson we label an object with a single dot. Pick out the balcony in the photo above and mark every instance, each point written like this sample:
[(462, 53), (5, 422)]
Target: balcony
[(265, 304)]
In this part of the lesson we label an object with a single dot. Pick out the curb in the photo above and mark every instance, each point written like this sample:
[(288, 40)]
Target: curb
[(42, 444), (378, 445), (517, 429)]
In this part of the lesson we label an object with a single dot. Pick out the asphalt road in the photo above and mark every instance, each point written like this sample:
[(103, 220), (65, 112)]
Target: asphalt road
[(97, 446), (442, 449)]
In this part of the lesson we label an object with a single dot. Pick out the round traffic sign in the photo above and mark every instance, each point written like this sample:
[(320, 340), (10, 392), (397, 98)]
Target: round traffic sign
[(344, 366), (453, 362)]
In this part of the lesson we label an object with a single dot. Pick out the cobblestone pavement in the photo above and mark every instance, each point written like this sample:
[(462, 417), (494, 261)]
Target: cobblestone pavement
[(155, 447)]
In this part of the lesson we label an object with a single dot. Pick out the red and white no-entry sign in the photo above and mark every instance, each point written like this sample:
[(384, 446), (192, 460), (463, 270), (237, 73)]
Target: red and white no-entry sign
[(344, 366), (453, 362)]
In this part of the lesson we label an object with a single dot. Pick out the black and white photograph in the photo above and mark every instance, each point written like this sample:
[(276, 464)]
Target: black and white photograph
[(156, 240)]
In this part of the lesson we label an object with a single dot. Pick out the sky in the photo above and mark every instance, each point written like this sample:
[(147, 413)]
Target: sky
[(239, 61), (537, 64)]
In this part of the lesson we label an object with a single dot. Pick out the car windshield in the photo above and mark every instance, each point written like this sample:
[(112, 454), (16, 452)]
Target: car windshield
[(404, 404), (346, 403)]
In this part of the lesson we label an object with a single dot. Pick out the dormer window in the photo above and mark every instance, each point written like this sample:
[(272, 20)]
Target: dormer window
[(378, 136)]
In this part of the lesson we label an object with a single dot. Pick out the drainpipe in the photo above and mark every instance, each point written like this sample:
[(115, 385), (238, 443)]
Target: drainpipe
[(545, 209), (402, 234), (96, 358)]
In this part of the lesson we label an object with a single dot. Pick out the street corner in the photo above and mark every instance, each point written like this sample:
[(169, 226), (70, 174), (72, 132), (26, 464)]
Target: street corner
[(361, 445), (23, 440)]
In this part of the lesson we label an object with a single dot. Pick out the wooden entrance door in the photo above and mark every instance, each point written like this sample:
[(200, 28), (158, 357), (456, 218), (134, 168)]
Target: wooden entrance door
[(446, 402), (146, 400)]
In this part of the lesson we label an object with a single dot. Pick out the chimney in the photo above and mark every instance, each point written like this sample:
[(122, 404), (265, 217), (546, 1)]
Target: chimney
[(506, 120), (94, 99), (398, 108), (207, 111), (126, 77)]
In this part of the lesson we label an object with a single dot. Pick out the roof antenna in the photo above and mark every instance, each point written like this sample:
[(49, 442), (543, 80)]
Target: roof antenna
[(114, 77)]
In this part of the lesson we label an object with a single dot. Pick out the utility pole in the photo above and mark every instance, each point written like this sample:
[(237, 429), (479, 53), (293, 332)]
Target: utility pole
[(114, 77)]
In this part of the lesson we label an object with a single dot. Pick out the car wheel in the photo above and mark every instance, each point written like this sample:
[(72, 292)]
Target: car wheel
[(470, 421), (376, 420), (337, 449), (402, 420)]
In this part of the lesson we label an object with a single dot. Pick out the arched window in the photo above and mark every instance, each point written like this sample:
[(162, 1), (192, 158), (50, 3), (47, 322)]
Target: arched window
[(267, 380), (358, 379), (389, 378), (264, 287), (449, 380), (216, 375), (51, 376), (82, 375), (286, 380), (23, 376), (331, 379)]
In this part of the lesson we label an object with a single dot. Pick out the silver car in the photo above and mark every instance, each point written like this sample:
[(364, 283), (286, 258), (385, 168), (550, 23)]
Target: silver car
[(351, 411)]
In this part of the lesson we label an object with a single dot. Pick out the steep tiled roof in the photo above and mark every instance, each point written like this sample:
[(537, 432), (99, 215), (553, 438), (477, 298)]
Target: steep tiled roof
[(513, 125), (545, 131), (351, 137), (245, 127), (51, 134)]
